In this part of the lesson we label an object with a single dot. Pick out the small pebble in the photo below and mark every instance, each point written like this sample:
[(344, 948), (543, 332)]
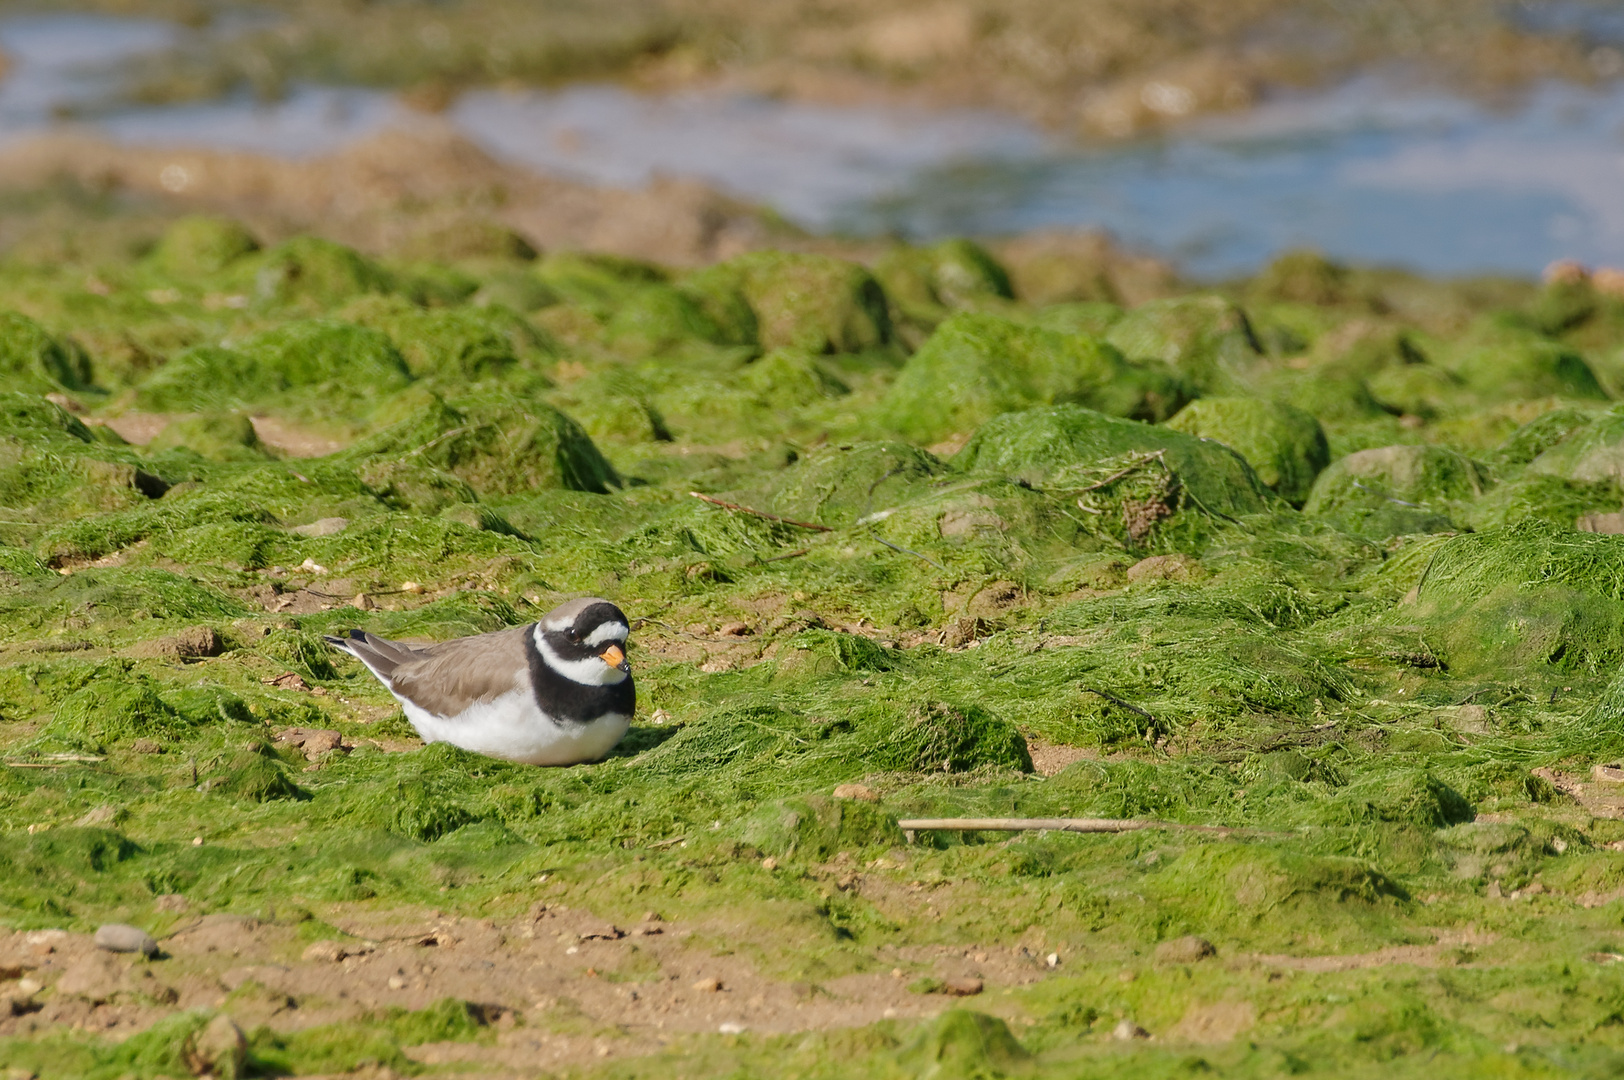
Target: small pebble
[(708, 986), (769, 863), (326, 952), (197, 841), (1053, 960), (731, 1028), (1126, 1031), (121, 937)]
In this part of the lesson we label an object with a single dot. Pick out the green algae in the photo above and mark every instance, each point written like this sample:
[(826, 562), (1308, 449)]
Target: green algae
[(495, 444), (31, 359), (201, 247), (1207, 339), (977, 366), (217, 436), (1285, 446), (1070, 447), (321, 358), (1347, 693), (802, 301), (1396, 489), (313, 273)]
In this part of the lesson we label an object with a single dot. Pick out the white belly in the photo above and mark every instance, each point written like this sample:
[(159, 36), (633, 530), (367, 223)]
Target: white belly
[(512, 727)]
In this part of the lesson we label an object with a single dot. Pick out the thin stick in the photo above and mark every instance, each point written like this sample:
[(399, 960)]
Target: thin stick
[(1060, 824), (1113, 699), (760, 513), (781, 558)]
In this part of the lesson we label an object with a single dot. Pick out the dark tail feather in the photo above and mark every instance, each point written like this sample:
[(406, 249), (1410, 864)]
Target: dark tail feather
[(380, 655)]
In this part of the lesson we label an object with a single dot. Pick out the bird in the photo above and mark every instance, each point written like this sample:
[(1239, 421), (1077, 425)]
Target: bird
[(554, 692)]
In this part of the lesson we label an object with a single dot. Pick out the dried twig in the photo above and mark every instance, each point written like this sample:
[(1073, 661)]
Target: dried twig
[(1077, 825), (787, 555), (760, 513), (1113, 699)]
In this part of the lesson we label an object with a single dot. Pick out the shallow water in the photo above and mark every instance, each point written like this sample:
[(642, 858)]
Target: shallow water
[(1369, 172)]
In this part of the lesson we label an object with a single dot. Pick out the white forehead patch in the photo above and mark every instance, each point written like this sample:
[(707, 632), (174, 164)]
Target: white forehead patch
[(609, 631)]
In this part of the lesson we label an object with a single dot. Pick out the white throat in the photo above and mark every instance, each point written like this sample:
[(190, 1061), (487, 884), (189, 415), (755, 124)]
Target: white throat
[(591, 671)]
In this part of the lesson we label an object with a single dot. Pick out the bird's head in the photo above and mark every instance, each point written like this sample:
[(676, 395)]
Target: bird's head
[(585, 641)]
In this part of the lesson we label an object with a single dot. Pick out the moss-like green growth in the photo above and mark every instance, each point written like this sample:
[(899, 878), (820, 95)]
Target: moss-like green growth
[(1067, 445), (199, 246), (320, 358), (1396, 489), (977, 366), (31, 359), (1539, 435), (1591, 452), (1304, 277), (313, 272), (1205, 338), (1285, 446), (495, 445), (1512, 367), (925, 285), (1523, 597), (836, 485), (812, 302), (217, 436), (452, 345)]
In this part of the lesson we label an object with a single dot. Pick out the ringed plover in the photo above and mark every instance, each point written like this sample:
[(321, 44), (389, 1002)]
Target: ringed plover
[(555, 692)]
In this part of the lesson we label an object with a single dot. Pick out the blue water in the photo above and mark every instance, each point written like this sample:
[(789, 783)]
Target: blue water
[(1372, 172)]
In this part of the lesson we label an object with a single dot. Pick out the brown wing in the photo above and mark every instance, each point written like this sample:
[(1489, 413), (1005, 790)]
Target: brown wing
[(447, 678)]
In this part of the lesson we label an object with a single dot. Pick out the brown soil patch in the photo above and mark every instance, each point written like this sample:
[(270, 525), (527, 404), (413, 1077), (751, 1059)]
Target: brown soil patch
[(565, 986), (1049, 758), (136, 427)]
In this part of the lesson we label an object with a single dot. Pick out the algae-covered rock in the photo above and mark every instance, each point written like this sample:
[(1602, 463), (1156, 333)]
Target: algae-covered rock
[(496, 444), (811, 302), (220, 436), (1418, 389), (1304, 277), (926, 284), (1539, 435), (1092, 317), (1395, 489), (452, 344), (468, 239), (346, 360), (786, 379), (1543, 497), (1205, 338), (1529, 595), (1065, 446), (29, 418), (198, 246), (1588, 453), (1285, 446), (976, 366), (963, 1043), (32, 360), (658, 317), (1512, 367), (317, 272), (836, 485)]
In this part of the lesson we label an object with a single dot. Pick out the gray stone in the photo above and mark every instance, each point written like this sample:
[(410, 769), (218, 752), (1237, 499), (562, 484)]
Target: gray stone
[(1185, 950), (121, 937), (323, 527)]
